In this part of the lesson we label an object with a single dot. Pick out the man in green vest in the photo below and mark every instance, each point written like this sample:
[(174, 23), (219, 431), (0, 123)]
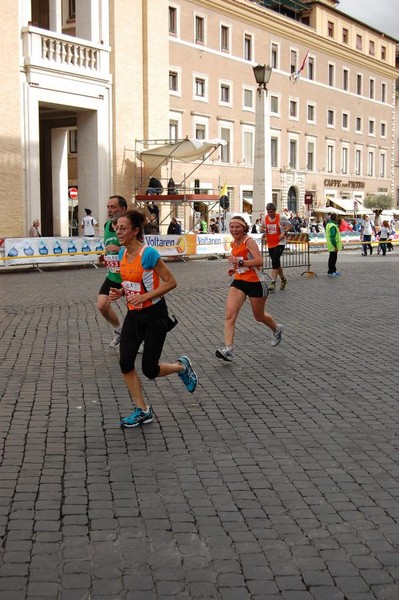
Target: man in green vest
[(116, 206), (334, 244)]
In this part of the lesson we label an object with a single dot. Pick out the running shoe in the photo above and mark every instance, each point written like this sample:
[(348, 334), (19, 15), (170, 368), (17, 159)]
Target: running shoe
[(225, 354), (116, 339), (188, 375), (283, 283), (276, 337), (272, 287), (336, 274), (138, 417)]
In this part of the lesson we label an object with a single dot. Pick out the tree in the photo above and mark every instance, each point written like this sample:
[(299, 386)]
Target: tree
[(378, 203)]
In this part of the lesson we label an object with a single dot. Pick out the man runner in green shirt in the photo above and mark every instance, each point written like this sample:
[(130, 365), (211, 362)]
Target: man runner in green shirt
[(116, 206)]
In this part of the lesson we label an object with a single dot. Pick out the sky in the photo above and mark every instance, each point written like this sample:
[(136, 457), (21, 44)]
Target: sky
[(380, 14)]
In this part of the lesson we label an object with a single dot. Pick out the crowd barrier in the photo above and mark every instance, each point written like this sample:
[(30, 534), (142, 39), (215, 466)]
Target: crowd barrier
[(34, 252), (296, 254)]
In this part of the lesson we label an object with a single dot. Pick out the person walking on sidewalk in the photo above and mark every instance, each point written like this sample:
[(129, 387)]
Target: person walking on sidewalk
[(116, 207), (245, 260), (276, 228), (334, 244), (145, 281)]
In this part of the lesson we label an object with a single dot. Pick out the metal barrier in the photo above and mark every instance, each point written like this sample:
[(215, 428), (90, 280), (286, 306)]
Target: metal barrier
[(296, 254)]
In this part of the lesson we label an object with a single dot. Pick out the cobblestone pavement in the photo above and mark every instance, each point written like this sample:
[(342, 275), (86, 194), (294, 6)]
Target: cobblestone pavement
[(277, 479)]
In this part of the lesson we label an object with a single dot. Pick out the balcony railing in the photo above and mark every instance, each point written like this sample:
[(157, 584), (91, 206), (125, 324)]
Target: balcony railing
[(44, 49)]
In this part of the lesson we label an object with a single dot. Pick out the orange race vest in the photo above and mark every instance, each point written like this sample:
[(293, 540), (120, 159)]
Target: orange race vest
[(136, 280), (251, 274), (273, 231)]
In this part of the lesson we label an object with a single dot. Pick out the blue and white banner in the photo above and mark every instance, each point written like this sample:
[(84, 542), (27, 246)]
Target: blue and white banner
[(25, 251)]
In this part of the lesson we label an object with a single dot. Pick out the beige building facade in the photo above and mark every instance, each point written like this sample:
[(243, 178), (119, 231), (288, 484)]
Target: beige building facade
[(85, 84)]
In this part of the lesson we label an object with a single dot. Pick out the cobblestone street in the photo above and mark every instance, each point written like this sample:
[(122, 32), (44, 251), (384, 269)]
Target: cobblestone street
[(277, 479)]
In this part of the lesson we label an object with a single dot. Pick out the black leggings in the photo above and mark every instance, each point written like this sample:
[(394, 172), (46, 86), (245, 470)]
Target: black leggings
[(148, 325)]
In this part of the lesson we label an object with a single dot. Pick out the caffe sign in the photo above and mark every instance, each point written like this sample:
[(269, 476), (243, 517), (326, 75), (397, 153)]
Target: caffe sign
[(339, 183)]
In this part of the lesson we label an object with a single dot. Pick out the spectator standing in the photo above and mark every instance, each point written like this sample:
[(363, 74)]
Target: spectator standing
[(256, 226), (34, 229), (366, 232), (384, 235), (203, 226), (152, 226), (276, 228), (116, 207), (88, 224), (334, 244), (213, 227), (174, 227)]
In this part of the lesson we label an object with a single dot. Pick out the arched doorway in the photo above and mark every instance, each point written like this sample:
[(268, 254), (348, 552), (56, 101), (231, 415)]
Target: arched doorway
[(292, 200)]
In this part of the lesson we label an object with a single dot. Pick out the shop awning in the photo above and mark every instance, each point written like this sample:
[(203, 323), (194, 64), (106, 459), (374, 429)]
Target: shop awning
[(347, 205)]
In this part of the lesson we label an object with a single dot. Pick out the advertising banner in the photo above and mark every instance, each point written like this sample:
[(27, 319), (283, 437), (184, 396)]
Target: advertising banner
[(25, 251)]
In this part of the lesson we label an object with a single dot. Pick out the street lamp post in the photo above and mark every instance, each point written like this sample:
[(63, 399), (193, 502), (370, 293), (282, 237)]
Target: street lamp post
[(262, 179)]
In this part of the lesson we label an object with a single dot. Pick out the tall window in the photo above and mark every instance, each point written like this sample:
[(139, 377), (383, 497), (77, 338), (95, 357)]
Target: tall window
[(293, 61), (371, 88), (371, 48), (383, 129), (345, 36), (173, 130), (199, 30), (199, 87), (248, 98), (200, 131), (274, 56), (72, 141), (344, 160), (225, 93), (274, 105), (345, 80), (225, 150), (248, 46), (330, 118), (173, 81), (370, 163), (358, 162), (310, 154), (330, 158), (293, 154), (311, 114), (248, 143), (383, 159), (293, 109), (371, 127), (311, 68), (383, 53), (274, 151), (358, 125), (71, 9), (359, 81), (383, 92), (330, 29), (224, 38), (345, 120), (359, 42), (331, 75), (172, 20)]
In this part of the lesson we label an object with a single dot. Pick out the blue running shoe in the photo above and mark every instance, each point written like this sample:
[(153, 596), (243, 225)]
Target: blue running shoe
[(138, 417), (188, 375)]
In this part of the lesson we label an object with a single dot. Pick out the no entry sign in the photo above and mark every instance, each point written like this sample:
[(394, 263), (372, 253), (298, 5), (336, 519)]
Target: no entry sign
[(73, 193)]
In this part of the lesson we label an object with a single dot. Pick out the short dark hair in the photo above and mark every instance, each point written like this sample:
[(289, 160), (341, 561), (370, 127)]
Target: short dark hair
[(270, 206), (121, 200)]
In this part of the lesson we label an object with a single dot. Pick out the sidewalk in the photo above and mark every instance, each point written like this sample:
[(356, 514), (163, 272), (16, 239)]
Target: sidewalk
[(277, 479)]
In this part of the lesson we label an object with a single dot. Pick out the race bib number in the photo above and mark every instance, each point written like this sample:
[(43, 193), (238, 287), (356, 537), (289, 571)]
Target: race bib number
[(272, 228), (112, 262), (131, 289)]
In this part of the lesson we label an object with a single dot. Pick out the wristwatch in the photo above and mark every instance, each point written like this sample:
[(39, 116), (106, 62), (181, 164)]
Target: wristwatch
[(241, 262)]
